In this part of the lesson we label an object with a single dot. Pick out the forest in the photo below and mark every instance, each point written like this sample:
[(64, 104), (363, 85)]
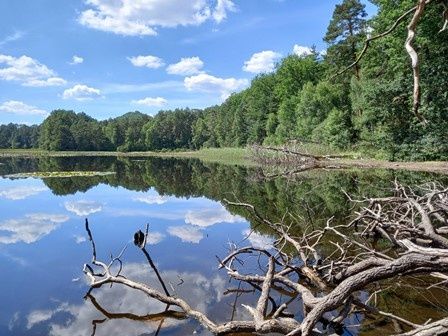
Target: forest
[(349, 97)]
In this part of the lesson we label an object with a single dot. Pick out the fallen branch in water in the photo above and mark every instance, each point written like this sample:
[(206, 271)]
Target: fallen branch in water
[(327, 268)]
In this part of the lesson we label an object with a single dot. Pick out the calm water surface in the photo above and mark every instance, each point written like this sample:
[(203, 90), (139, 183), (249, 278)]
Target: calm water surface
[(43, 243)]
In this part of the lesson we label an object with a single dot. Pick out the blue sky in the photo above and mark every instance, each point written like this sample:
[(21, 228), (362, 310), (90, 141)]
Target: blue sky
[(108, 57)]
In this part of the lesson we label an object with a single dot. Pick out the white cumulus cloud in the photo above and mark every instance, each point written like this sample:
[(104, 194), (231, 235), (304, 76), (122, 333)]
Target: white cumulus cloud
[(97, 19), (20, 108), (263, 61), (221, 9), (30, 228), (149, 61), (150, 101), (208, 83), (38, 316), (81, 92), (77, 60), (186, 66), (301, 50), (28, 72), (143, 17), (53, 81), (83, 208)]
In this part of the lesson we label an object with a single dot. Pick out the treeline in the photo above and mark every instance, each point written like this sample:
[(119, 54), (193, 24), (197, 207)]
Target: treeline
[(368, 107), (19, 136), (134, 131)]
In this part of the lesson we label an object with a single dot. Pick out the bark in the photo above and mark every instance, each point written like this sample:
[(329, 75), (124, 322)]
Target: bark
[(328, 285)]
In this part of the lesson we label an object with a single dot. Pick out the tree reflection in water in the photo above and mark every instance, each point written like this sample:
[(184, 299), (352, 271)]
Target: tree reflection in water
[(312, 197)]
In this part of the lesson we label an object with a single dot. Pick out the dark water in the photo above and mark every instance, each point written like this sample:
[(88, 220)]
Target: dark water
[(43, 244)]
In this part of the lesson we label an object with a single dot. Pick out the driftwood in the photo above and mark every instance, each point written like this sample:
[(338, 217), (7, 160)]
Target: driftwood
[(287, 156), (292, 159), (328, 282)]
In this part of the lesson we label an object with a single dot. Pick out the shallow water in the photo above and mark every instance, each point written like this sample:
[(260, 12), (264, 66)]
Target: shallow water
[(43, 244)]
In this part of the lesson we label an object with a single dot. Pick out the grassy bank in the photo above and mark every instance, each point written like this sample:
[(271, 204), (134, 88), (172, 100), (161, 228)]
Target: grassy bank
[(237, 156)]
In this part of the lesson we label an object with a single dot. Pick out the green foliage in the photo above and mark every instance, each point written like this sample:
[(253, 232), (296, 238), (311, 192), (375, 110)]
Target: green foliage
[(314, 107), (287, 118), (55, 131), (171, 130), (263, 113), (294, 72), (369, 108), (387, 123), (335, 130), (345, 34), (271, 127), (126, 132), (67, 130), (260, 100), (204, 133), (19, 136)]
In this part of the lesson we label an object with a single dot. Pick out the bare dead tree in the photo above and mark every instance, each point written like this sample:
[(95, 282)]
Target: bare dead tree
[(327, 268), (417, 13)]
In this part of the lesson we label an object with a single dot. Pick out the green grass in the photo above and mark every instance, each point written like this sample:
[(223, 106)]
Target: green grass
[(234, 156), (323, 150), (238, 156)]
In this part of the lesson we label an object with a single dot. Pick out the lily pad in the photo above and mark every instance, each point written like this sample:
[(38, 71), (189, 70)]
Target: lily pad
[(60, 174)]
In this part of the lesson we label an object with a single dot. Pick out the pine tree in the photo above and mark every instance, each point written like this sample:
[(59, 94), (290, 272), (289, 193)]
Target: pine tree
[(345, 33)]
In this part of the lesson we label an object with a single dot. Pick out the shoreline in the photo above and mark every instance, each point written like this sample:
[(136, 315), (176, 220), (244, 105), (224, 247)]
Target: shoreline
[(233, 156), (236, 156)]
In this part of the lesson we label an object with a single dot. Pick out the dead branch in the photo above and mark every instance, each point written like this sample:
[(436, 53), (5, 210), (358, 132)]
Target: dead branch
[(414, 214), (327, 283), (148, 317), (286, 150), (414, 56), (445, 16), (282, 158), (417, 12), (438, 328), (369, 40)]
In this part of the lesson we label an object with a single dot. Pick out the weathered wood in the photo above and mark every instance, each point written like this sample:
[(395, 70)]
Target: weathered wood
[(327, 285)]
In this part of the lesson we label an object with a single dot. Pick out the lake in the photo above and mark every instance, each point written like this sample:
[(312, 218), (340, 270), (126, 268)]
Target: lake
[(43, 243)]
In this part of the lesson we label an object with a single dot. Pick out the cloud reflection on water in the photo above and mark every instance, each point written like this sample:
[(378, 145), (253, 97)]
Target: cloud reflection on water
[(151, 199), (30, 228), (198, 290), (83, 208), (188, 234), (21, 192), (258, 240), (211, 216)]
